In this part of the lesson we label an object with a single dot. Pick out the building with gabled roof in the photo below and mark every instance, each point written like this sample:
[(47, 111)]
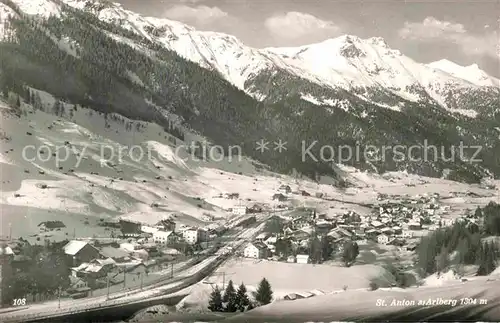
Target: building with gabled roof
[(257, 250), (116, 254), (80, 252), (165, 237)]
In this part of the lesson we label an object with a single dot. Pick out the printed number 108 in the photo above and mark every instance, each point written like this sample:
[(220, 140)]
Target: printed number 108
[(19, 301)]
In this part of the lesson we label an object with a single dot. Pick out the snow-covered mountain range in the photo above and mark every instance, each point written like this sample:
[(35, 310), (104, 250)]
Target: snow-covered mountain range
[(342, 91), (347, 62)]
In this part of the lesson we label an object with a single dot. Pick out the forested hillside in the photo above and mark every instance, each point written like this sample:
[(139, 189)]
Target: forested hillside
[(463, 244)]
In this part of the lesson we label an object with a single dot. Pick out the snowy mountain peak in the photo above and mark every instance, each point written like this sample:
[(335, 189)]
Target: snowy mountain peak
[(347, 61), (471, 73), (378, 41), (349, 39), (42, 8)]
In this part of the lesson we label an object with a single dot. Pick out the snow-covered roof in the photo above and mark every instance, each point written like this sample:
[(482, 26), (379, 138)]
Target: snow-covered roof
[(272, 240), (6, 251), (74, 246), (171, 251), (110, 252), (81, 267), (257, 244), (94, 268), (162, 234), (149, 229), (107, 261)]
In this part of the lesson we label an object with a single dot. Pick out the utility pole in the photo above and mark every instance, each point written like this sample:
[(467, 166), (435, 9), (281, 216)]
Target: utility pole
[(124, 276), (59, 297), (107, 285), (171, 270), (223, 280), (142, 280)]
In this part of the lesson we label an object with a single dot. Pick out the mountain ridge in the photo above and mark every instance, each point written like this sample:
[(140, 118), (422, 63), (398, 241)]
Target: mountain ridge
[(116, 61), (384, 69)]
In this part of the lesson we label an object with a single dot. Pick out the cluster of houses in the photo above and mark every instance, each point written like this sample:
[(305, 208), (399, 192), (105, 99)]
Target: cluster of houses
[(264, 247), (398, 223), (94, 264), (165, 232)]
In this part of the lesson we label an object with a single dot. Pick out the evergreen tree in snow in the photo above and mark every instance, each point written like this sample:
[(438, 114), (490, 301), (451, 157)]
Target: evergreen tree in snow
[(478, 214), (326, 248), (56, 107), (37, 102), (229, 298), (215, 302), (264, 294), (242, 300), (487, 260), (442, 261), (350, 253), (27, 95)]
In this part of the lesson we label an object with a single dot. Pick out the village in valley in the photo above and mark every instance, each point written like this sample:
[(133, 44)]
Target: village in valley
[(393, 221), (105, 233), (136, 254)]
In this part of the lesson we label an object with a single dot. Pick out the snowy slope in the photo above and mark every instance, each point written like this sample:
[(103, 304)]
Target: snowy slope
[(42, 8), (84, 184), (347, 61), (361, 306), (5, 13), (471, 73)]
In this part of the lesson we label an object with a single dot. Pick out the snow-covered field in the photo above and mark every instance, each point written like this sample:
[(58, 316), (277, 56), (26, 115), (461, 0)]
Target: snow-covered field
[(361, 306), (288, 278)]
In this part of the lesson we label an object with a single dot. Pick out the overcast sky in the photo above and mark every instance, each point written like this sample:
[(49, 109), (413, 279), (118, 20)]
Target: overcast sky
[(465, 32)]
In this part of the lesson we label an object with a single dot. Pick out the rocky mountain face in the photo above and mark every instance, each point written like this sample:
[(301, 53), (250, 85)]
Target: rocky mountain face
[(343, 92)]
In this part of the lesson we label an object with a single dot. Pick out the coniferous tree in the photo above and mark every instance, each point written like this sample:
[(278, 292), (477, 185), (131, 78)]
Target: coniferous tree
[(264, 294), (487, 261), (462, 250), (326, 248), (37, 102), (27, 95), (315, 250), (242, 300), (56, 107), (215, 302), (62, 110), (442, 260), (14, 102), (478, 214), (283, 247), (350, 253), (229, 298)]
